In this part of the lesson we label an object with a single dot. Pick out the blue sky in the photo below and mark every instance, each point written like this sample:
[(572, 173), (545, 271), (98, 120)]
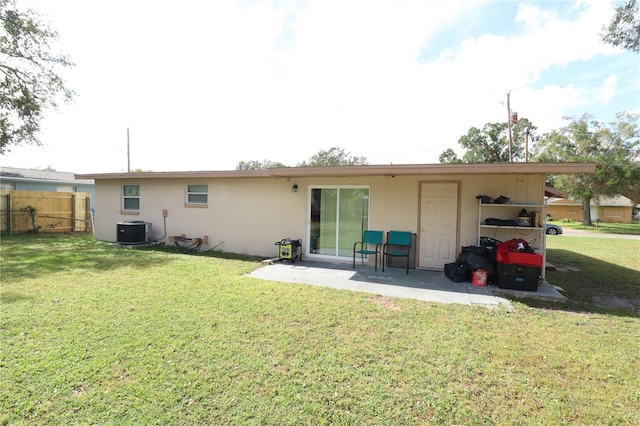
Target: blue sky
[(203, 84)]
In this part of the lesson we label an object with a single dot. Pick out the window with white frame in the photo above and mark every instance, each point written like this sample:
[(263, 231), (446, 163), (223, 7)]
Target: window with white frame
[(197, 194), (131, 197)]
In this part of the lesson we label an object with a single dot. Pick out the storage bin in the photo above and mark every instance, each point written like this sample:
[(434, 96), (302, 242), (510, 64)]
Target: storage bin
[(525, 259), (518, 277)]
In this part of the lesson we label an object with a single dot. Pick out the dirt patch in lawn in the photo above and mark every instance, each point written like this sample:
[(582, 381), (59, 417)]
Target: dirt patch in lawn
[(385, 302), (615, 302)]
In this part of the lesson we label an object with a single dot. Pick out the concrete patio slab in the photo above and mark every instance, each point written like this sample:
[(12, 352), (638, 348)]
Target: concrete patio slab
[(419, 284)]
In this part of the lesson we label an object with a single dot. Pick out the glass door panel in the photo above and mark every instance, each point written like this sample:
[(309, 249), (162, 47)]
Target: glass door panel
[(338, 218)]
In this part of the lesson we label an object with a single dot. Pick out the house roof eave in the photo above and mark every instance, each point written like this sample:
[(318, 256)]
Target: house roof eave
[(47, 181), (555, 193), (364, 170)]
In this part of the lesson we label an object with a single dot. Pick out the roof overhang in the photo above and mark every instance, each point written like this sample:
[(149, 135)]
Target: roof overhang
[(555, 193), (49, 181), (364, 170)]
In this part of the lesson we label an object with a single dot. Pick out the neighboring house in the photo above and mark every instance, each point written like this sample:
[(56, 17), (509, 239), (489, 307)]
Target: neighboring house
[(617, 209), (44, 180), (326, 207)]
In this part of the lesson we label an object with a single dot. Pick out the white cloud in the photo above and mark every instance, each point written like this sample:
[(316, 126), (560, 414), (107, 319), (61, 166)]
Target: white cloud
[(608, 89), (203, 85)]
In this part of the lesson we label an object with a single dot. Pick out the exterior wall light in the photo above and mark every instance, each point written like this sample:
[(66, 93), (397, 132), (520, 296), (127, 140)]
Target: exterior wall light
[(294, 188)]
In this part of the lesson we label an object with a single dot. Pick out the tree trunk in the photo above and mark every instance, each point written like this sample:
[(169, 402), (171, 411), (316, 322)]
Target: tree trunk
[(586, 211)]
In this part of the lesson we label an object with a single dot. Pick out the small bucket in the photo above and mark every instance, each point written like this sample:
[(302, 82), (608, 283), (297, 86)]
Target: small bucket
[(479, 278)]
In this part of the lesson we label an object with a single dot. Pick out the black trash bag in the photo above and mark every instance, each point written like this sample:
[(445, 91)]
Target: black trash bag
[(457, 272), (474, 257), (480, 261), (467, 251)]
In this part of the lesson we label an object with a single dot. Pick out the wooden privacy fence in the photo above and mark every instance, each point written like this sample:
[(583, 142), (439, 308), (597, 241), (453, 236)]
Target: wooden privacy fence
[(44, 211)]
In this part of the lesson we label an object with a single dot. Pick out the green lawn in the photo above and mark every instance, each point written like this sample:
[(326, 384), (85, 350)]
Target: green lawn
[(596, 270), (601, 227), (93, 334)]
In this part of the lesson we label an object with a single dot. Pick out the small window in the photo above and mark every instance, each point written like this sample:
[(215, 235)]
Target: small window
[(197, 194), (131, 197)]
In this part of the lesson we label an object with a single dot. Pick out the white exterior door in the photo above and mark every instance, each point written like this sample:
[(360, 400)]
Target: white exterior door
[(438, 224)]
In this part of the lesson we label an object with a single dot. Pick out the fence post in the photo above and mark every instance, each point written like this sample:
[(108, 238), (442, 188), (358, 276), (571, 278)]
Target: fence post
[(73, 212), (9, 215), (87, 214)]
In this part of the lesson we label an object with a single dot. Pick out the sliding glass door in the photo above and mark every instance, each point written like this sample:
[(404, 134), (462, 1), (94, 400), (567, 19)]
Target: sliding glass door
[(338, 215)]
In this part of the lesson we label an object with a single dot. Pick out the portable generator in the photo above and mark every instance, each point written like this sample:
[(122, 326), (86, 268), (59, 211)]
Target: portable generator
[(289, 249)]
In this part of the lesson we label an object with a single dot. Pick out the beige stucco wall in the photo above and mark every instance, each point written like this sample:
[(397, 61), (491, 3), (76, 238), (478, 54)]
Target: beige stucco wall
[(251, 214), (565, 211), (617, 214)]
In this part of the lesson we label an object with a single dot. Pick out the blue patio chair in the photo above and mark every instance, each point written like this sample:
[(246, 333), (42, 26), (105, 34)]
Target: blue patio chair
[(398, 245), (369, 238)]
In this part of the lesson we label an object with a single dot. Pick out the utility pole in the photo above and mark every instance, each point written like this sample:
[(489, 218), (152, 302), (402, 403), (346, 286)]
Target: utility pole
[(509, 124), (511, 119), (526, 145), (128, 154)]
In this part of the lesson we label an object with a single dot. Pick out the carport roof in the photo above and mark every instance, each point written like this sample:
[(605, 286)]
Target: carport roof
[(364, 170)]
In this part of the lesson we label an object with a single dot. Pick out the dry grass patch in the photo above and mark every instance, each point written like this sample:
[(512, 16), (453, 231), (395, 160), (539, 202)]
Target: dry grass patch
[(385, 302)]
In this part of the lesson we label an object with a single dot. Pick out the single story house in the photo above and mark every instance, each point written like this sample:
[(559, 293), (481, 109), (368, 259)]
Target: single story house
[(248, 211), (618, 209), (44, 180)]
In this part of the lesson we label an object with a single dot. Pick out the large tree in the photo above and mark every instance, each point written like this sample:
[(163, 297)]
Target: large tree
[(258, 165), (449, 156), (614, 147), (491, 143), (29, 79), (632, 188), (333, 157), (624, 28)]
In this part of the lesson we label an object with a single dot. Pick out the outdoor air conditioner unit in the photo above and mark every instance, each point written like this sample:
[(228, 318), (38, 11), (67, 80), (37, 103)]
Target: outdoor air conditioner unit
[(134, 232)]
